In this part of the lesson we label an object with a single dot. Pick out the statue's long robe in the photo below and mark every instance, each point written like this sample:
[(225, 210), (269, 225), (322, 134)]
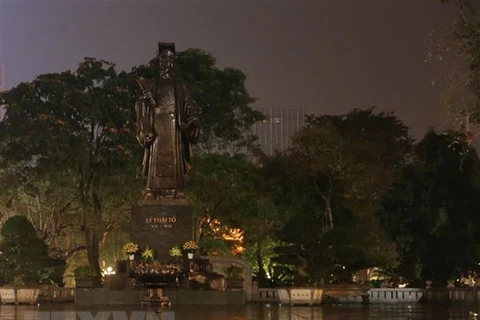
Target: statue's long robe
[(166, 156)]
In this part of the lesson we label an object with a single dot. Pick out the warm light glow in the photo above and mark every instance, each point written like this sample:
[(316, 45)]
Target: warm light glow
[(108, 271), (220, 231)]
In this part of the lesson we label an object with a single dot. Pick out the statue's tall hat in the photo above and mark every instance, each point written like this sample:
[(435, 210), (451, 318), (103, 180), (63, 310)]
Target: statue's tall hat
[(166, 46)]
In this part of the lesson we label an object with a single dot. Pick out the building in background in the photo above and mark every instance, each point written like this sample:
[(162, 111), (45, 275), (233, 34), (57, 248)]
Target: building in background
[(275, 133)]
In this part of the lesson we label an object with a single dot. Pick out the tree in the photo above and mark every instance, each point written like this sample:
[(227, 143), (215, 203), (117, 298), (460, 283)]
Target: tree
[(72, 132), (240, 195), (24, 256), (344, 164), (457, 50), (357, 152), (431, 213), (212, 186), (261, 210), (68, 140)]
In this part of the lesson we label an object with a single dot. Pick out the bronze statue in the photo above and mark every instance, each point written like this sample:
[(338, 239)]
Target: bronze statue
[(167, 126)]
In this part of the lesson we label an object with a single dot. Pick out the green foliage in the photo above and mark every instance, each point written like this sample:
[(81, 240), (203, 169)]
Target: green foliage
[(234, 272), (215, 184), (53, 272), (278, 268), (336, 171), (215, 247), (68, 145), (321, 197), (240, 195), (24, 257), (431, 212), (18, 228), (69, 137), (84, 272)]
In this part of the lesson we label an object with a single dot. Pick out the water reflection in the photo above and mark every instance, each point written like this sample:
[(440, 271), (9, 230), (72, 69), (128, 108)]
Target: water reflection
[(250, 312)]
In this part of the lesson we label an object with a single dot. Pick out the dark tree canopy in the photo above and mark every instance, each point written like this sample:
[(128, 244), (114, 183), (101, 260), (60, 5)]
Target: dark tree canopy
[(339, 166), (24, 256), (432, 211), (68, 139)]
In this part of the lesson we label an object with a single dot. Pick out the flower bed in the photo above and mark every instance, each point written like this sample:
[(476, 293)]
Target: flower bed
[(156, 274), (157, 268)]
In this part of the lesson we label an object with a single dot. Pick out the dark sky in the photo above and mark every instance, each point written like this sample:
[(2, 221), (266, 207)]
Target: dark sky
[(322, 56)]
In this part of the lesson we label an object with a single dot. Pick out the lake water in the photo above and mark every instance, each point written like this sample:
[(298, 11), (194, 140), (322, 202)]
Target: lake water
[(249, 312)]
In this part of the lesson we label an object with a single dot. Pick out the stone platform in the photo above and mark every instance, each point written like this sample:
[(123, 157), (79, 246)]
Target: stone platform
[(162, 225), (104, 297)]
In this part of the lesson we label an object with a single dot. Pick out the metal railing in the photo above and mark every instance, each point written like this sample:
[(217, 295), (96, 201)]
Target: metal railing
[(376, 295)]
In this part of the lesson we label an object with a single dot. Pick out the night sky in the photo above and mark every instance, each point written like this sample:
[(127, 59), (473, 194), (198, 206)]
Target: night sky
[(321, 56)]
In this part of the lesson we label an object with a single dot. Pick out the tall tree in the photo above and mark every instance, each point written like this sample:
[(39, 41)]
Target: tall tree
[(431, 213), (231, 189), (345, 163), (73, 130), (68, 139), (24, 256), (457, 52), (358, 153), (213, 185), (261, 210)]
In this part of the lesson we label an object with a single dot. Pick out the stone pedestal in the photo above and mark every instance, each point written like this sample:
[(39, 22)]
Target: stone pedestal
[(162, 224), (156, 298)]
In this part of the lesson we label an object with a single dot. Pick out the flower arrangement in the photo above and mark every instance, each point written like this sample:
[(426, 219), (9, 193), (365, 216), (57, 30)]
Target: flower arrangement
[(148, 253), (130, 248), (157, 268), (190, 246), (175, 252)]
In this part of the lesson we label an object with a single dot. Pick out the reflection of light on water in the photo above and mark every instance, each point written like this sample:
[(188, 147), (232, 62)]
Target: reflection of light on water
[(284, 312), (23, 312), (350, 311)]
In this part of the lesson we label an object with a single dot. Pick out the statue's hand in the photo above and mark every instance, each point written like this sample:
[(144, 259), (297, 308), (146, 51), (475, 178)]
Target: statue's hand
[(147, 96), (150, 137)]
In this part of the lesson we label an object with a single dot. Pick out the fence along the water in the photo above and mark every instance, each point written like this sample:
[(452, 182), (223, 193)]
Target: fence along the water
[(395, 294), (268, 295), (265, 295)]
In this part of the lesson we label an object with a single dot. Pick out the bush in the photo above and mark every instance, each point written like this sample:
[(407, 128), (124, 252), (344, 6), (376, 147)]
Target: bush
[(235, 272), (54, 271), (24, 256), (84, 272)]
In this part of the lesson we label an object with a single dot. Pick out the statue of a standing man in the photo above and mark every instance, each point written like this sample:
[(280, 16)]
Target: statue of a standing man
[(167, 126)]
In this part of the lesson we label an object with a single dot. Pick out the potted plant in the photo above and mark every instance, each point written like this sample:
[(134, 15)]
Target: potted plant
[(234, 278), (190, 247), (148, 255), (84, 277), (175, 252), (130, 249)]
